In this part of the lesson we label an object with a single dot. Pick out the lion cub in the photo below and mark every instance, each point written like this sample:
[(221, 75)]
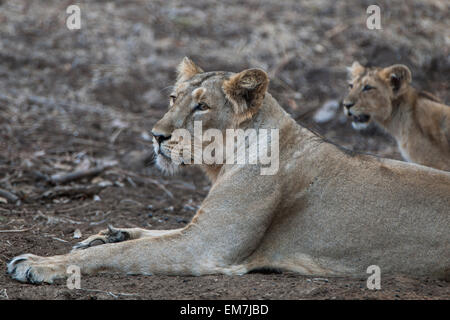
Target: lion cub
[(418, 121)]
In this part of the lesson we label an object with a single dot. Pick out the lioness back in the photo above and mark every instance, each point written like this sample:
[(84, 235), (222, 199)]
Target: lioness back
[(419, 122)]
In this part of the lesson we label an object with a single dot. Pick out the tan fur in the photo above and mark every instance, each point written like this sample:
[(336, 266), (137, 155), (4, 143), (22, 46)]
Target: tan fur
[(250, 85), (326, 212), (187, 69), (355, 69), (418, 121)]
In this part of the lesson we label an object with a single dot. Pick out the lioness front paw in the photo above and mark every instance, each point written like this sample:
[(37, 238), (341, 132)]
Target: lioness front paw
[(34, 269), (110, 235)]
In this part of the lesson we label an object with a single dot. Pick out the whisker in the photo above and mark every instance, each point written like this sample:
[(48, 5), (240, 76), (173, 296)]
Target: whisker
[(168, 87)]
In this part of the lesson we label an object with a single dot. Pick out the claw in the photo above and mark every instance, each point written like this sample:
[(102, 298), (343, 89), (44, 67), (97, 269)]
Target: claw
[(112, 230), (28, 276), (12, 265), (93, 244), (117, 235)]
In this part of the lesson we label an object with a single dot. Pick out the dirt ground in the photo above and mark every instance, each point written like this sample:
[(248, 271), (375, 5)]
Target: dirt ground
[(81, 99)]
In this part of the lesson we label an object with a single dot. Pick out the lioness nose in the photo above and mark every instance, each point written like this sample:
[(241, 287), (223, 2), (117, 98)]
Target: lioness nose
[(348, 104), (160, 137)]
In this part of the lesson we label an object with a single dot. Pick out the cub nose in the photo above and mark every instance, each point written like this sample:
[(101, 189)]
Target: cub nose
[(160, 137), (348, 104)]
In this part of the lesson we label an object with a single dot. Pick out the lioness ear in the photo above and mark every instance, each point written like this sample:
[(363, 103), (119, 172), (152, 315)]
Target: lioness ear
[(246, 91), (355, 70), (187, 69), (398, 76)]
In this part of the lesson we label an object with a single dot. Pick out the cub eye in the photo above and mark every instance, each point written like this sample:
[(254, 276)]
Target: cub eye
[(201, 106), (350, 85), (173, 98), (367, 88)]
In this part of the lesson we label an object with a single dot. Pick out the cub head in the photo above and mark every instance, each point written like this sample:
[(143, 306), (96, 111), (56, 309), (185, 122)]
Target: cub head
[(372, 91), (204, 101)]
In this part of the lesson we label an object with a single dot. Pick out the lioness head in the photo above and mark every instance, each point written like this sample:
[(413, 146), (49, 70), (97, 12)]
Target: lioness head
[(200, 101), (372, 91)]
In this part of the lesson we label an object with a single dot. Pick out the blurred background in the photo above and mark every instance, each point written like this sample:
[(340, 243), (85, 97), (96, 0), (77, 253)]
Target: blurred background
[(83, 101)]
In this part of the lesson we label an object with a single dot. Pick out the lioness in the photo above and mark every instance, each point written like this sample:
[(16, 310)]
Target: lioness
[(326, 212), (418, 121)]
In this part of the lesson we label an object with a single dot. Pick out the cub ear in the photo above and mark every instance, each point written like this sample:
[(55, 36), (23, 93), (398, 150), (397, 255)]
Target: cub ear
[(246, 91), (187, 69), (398, 76), (355, 70)]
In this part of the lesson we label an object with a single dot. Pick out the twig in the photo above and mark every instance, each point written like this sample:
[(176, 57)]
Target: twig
[(53, 220), (9, 196), (80, 174), (15, 230), (115, 135), (130, 181), (112, 294), (159, 185), (336, 30), (59, 239), (96, 223), (146, 181), (70, 191), (74, 208)]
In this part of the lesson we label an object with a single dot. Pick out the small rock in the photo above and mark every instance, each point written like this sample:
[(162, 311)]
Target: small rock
[(77, 234), (97, 198), (119, 184), (101, 182), (319, 48), (297, 95), (39, 153), (145, 136), (327, 112), (188, 207), (119, 124)]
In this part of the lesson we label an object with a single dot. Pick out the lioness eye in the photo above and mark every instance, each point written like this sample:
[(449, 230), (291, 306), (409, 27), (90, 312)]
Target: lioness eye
[(201, 106), (173, 98), (367, 88)]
